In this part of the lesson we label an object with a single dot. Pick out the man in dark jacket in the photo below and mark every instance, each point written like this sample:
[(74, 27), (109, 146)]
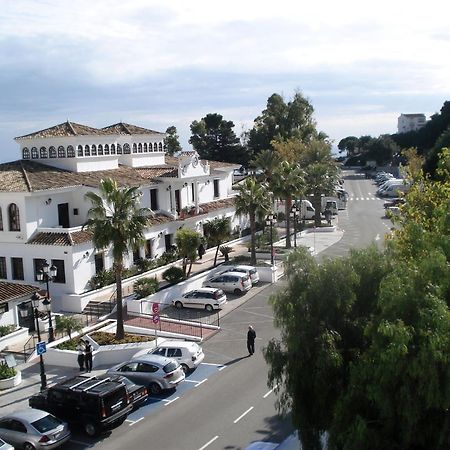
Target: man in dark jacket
[(251, 336)]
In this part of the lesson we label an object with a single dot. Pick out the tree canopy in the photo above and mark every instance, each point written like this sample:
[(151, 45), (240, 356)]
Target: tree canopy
[(171, 141)]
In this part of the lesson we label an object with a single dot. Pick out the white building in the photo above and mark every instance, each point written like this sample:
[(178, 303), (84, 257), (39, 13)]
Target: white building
[(410, 122), (43, 208)]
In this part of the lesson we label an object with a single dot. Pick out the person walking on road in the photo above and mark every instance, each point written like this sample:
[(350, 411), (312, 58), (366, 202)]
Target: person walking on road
[(80, 359), (88, 355), (251, 336)]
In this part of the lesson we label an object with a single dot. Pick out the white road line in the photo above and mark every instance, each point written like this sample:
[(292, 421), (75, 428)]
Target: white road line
[(368, 198), (223, 367), (209, 442), (171, 401), (136, 421), (158, 399), (242, 415), (211, 364), (190, 381), (268, 393), (200, 382), (377, 237)]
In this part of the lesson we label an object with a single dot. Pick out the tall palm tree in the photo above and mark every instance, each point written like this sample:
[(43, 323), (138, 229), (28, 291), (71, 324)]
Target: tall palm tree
[(187, 241), (267, 161), (116, 219), (255, 200), (287, 183), (217, 231)]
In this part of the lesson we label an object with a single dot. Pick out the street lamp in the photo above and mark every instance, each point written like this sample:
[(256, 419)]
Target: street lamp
[(24, 311), (47, 274), (269, 222), (293, 215)]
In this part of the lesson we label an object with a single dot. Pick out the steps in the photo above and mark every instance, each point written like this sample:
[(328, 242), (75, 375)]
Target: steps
[(99, 309)]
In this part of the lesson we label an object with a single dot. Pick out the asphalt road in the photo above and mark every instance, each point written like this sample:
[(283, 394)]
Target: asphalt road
[(233, 406)]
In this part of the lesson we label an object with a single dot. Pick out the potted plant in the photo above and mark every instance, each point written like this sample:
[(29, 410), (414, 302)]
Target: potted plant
[(9, 377)]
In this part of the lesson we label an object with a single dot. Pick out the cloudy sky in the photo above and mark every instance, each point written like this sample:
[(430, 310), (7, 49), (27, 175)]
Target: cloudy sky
[(161, 63)]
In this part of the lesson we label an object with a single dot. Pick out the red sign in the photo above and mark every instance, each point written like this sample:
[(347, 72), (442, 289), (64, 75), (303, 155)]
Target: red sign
[(155, 318), (155, 308)]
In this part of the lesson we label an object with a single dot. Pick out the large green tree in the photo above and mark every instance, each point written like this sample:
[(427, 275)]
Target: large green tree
[(217, 231), (214, 138), (172, 141), (187, 242), (117, 221), (255, 201)]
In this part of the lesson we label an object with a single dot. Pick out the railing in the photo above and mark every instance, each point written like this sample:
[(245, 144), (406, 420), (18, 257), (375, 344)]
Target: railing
[(29, 346)]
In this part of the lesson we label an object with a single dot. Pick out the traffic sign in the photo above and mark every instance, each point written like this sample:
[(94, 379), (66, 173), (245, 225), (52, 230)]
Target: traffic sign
[(41, 348), (155, 308), (155, 318)]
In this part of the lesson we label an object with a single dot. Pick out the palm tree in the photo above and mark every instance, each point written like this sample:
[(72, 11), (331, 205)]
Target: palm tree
[(254, 200), (67, 324), (187, 242), (217, 231), (116, 220), (267, 161), (287, 184)]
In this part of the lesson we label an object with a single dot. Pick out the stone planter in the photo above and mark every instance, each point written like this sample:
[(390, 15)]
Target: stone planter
[(11, 382)]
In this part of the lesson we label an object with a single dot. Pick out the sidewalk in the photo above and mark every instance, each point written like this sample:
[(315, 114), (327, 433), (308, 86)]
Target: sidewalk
[(17, 397)]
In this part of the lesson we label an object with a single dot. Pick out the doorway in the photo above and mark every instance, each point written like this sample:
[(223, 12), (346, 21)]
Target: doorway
[(63, 215)]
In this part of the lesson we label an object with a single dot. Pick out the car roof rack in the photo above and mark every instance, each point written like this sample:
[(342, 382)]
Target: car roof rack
[(85, 380), (96, 384)]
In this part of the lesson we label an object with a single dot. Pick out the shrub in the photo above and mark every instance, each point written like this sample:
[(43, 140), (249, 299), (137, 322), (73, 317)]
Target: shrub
[(226, 250), (167, 257), (67, 324), (281, 216), (6, 329), (173, 275), (103, 338), (145, 286), (144, 265), (6, 372), (101, 279)]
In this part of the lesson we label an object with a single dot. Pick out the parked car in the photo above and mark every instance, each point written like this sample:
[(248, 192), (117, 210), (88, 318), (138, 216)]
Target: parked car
[(397, 201), (32, 429), (188, 354), (5, 446), (251, 271), (137, 392), (157, 372), (204, 298), (236, 282), (94, 404)]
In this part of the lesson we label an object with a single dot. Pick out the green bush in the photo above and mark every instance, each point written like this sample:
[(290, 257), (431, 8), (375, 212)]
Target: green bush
[(145, 286), (103, 338), (6, 372), (7, 329), (281, 216), (167, 257), (101, 279), (144, 265), (173, 275)]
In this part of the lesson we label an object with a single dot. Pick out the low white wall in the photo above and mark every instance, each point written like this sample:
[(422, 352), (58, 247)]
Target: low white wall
[(16, 337)]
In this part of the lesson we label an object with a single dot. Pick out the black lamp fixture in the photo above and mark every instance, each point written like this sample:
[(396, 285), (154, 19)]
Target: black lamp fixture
[(269, 222), (293, 215), (46, 274)]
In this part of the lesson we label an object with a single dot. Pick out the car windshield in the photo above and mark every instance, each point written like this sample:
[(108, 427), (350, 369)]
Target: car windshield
[(170, 367), (46, 423)]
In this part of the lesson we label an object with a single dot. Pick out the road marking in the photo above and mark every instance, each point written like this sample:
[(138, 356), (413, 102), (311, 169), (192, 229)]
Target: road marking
[(200, 382), (211, 364), (268, 393), (377, 237), (209, 442), (242, 415), (136, 421), (223, 367), (171, 401), (190, 381)]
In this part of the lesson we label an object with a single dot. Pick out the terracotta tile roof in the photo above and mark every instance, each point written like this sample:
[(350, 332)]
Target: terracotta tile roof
[(64, 130), (50, 238), (156, 172), (217, 204), (79, 237), (159, 219), (11, 291), (126, 128)]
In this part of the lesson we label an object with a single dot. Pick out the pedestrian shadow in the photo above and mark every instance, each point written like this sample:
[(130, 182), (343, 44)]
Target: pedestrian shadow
[(234, 361)]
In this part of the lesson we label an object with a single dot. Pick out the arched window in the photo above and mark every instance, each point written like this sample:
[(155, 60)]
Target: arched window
[(126, 149), (87, 150), (145, 148), (100, 150), (134, 148), (139, 148), (119, 149), (61, 152), (26, 153), (106, 149), (52, 152), (14, 218), (94, 150), (80, 150), (155, 147), (43, 152), (160, 147), (113, 149), (34, 153), (1, 220), (70, 152)]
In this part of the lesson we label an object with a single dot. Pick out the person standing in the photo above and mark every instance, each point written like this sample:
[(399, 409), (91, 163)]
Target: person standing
[(201, 250), (80, 359), (251, 336), (88, 355)]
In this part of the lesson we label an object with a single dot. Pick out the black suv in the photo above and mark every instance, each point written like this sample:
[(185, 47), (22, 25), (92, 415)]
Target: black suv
[(95, 404)]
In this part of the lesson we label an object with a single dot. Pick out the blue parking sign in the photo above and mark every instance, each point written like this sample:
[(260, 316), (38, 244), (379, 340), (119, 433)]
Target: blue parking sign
[(41, 348)]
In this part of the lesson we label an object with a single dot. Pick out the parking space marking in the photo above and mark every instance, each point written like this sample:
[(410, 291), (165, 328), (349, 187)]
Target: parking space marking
[(200, 382), (190, 381), (171, 401), (136, 421), (209, 442), (268, 393), (223, 367), (243, 414), (211, 364)]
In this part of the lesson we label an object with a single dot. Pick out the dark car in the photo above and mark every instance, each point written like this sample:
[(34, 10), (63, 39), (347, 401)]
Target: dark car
[(138, 393), (394, 202), (95, 404)]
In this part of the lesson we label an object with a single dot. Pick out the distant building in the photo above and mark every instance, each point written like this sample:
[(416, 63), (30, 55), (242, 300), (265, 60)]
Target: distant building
[(410, 122)]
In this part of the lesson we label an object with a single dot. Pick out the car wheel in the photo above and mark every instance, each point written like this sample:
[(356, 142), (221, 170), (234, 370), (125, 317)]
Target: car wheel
[(185, 368), (237, 291), (28, 446), (209, 308), (155, 389), (90, 428), (178, 305)]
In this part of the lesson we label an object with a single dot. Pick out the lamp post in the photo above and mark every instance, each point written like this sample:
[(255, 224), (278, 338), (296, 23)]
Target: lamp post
[(269, 222), (46, 274), (293, 215), (24, 312)]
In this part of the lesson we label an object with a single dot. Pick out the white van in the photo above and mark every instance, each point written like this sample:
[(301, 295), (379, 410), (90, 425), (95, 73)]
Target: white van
[(330, 203)]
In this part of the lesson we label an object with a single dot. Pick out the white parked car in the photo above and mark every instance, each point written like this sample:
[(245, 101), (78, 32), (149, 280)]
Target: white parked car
[(236, 282), (204, 298), (251, 271), (188, 354)]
